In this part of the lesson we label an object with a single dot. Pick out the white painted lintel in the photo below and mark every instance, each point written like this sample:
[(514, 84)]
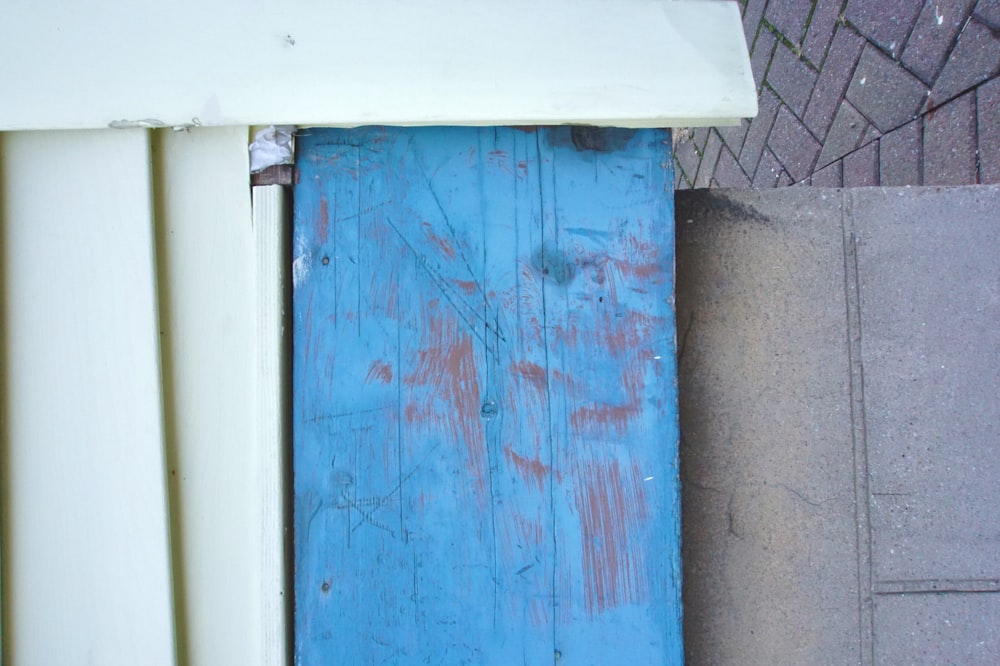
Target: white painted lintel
[(629, 63)]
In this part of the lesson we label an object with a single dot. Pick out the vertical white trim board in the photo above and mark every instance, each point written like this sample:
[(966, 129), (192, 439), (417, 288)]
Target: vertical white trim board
[(85, 514), (208, 277), (271, 224)]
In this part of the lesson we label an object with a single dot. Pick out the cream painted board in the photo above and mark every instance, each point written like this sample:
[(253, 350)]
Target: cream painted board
[(271, 226), (641, 63), (86, 560), (208, 276)]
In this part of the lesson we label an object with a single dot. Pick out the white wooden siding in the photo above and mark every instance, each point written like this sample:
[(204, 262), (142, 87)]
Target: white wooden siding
[(85, 503), (95, 304)]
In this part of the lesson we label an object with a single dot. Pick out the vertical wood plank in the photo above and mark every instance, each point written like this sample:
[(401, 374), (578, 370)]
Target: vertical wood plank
[(609, 247), (485, 397), (208, 272), (85, 509)]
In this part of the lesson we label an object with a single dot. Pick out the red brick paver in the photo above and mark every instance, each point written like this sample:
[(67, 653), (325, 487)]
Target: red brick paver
[(900, 155), (860, 92), (950, 143), (988, 101)]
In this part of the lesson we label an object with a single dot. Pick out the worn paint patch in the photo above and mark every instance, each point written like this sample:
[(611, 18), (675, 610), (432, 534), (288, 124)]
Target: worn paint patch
[(446, 368), (534, 373), (301, 261), (612, 506), (531, 470), (604, 418), (323, 223), (380, 371), (468, 287), (442, 243)]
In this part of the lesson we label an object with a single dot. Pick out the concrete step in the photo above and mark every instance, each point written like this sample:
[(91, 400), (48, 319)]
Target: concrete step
[(839, 382)]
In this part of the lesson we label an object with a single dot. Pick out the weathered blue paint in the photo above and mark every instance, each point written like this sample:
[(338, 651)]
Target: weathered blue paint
[(485, 398)]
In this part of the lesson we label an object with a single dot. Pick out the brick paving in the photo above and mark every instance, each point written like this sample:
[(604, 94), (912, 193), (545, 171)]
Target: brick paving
[(857, 93)]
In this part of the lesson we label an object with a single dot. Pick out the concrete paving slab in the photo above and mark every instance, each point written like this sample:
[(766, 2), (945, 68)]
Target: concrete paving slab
[(769, 535), (839, 371), (938, 629), (930, 314)]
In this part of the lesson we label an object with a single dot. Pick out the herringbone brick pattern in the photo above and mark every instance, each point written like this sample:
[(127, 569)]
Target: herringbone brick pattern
[(860, 92)]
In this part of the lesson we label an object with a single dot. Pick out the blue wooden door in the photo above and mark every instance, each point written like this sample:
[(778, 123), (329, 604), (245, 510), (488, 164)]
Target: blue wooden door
[(485, 398)]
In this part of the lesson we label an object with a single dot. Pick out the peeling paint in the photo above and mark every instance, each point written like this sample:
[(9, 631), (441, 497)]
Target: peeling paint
[(144, 123), (302, 261)]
